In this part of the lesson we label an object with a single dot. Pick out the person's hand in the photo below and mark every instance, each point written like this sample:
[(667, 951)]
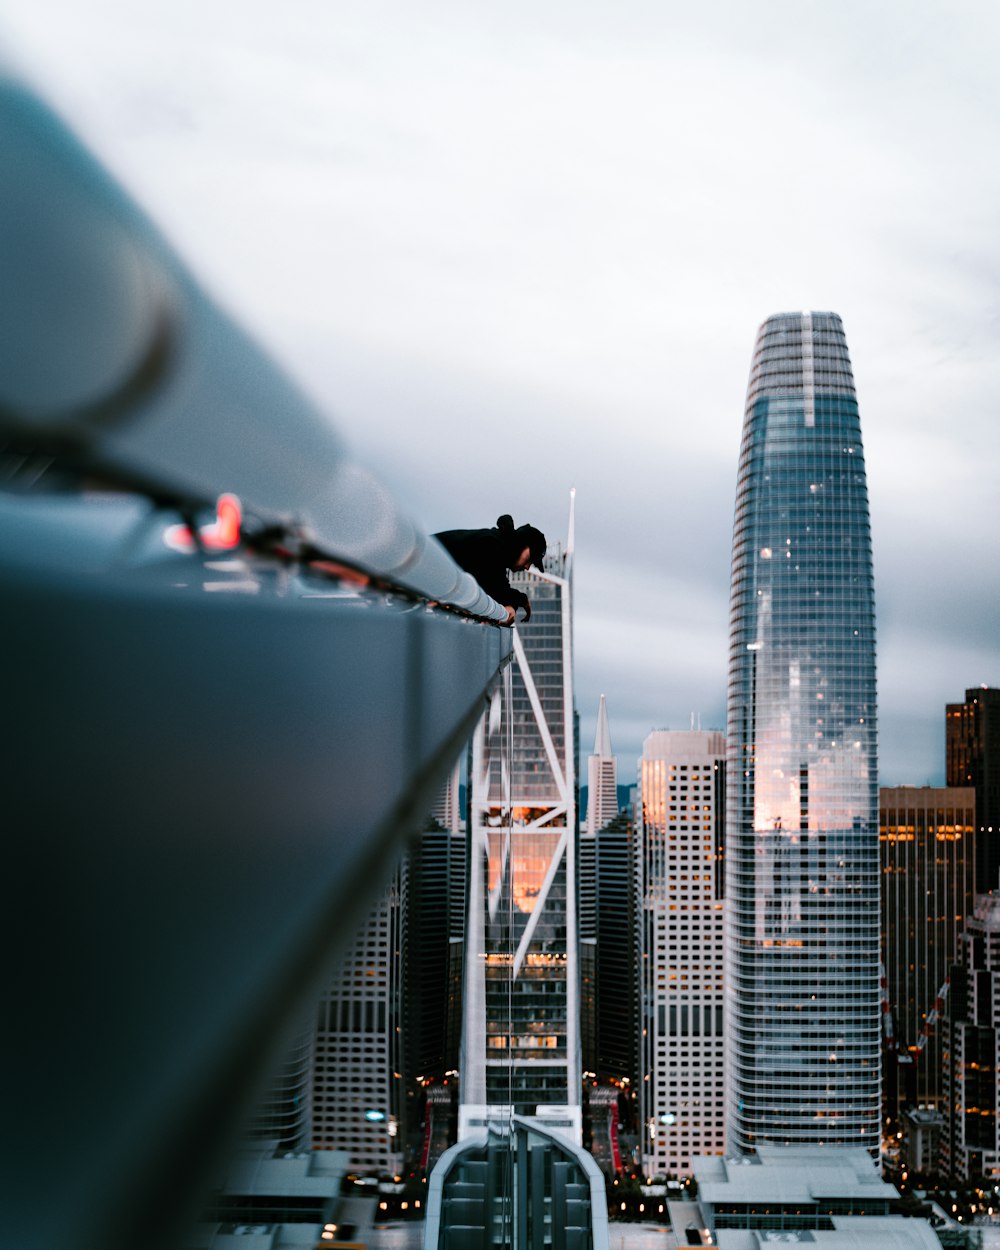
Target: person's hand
[(527, 612), (510, 615)]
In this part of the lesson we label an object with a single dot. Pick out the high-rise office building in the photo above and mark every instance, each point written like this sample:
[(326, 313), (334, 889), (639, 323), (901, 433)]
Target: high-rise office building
[(926, 836), (358, 1088), (432, 987), (681, 824), (602, 776), (618, 876), (971, 1144), (802, 880), (972, 758), (612, 1081), (521, 1034), (602, 808)]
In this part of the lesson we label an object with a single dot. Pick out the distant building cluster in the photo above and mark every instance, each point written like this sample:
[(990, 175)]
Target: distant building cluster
[(761, 968)]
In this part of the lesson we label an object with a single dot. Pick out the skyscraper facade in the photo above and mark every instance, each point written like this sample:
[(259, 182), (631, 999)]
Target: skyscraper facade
[(434, 919), (358, 1092), (602, 808), (521, 1032), (618, 876), (926, 836), (972, 758), (802, 852), (681, 824)]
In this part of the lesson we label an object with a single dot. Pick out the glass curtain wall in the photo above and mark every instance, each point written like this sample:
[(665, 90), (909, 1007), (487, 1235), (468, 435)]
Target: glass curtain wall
[(521, 1037), (802, 879)]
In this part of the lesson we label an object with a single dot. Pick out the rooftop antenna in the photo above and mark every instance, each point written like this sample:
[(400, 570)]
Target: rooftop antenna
[(570, 534)]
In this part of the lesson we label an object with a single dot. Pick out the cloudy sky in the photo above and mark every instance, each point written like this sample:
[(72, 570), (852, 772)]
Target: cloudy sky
[(514, 248)]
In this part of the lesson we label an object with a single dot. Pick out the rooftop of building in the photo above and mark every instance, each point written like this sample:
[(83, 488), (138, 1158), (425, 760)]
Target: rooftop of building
[(924, 1117), (849, 1232), (255, 1236), (685, 1215), (790, 1174), (306, 1173), (988, 909)]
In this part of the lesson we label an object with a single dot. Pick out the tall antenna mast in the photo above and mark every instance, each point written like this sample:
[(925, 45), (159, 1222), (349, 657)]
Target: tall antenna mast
[(571, 533)]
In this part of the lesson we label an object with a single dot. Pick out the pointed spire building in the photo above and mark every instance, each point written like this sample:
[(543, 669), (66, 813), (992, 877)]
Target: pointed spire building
[(602, 776)]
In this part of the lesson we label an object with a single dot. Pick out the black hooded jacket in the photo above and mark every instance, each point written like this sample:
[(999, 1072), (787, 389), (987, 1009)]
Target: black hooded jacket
[(488, 555)]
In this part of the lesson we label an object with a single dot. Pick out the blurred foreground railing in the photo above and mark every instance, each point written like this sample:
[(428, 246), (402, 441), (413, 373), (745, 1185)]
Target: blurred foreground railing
[(218, 729)]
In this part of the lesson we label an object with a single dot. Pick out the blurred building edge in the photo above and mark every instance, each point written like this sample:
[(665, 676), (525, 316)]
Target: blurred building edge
[(217, 760), (266, 1185), (447, 809), (284, 1114)]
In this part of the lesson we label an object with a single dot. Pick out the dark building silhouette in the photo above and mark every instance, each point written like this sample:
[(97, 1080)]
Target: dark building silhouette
[(972, 1049), (432, 985), (926, 836), (617, 987), (972, 751)]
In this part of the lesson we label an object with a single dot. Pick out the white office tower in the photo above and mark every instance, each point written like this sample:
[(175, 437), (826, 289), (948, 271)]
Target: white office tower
[(357, 1094), (681, 820), (602, 776), (521, 1008)]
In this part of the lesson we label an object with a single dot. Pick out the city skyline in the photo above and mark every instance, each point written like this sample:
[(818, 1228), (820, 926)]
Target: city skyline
[(476, 235)]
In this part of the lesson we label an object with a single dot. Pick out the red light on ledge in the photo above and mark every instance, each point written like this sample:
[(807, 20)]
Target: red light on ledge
[(222, 534)]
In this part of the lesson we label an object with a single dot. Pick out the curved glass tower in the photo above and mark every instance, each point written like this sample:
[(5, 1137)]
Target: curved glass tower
[(802, 875)]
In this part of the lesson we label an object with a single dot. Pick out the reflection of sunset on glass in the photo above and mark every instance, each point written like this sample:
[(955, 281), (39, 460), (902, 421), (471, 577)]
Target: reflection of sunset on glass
[(494, 856), (533, 854)]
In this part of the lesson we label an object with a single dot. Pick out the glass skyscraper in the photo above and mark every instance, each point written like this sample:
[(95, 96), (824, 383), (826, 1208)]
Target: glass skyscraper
[(802, 875), (521, 1045)]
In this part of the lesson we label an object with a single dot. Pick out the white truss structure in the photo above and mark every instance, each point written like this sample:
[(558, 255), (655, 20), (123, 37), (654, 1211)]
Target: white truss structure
[(512, 872)]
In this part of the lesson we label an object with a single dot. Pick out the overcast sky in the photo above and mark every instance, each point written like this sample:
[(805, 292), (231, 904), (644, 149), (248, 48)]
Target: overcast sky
[(518, 247)]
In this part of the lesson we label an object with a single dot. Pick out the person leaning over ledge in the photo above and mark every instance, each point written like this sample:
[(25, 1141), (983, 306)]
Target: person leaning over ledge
[(490, 553)]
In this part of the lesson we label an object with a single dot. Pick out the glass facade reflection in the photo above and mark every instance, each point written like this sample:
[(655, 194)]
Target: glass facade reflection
[(802, 878)]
